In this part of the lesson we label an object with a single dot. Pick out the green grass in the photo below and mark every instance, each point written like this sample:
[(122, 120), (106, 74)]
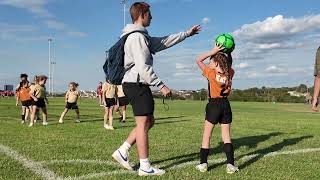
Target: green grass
[(258, 128)]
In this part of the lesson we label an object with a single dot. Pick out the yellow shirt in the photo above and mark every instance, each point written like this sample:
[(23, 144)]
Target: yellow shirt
[(108, 90), (119, 91), (72, 96), (38, 91)]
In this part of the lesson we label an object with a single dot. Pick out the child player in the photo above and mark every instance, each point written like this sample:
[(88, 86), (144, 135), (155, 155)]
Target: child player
[(219, 75), (22, 93), (71, 99), (108, 98)]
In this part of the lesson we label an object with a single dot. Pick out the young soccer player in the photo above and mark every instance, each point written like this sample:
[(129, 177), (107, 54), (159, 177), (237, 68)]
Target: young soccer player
[(219, 74), (138, 78), (39, 96), (24, 97), (32, 85), (99, 92), (71, 99), (121, 102), (108, 97)]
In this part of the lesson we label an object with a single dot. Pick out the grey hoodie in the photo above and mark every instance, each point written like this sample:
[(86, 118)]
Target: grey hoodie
[(138, 59)]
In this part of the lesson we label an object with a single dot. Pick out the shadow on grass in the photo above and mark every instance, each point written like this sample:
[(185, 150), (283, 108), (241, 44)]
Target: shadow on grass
[(250, 141)]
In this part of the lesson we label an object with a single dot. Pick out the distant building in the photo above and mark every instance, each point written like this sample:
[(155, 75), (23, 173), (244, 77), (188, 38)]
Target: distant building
[(8, 87)]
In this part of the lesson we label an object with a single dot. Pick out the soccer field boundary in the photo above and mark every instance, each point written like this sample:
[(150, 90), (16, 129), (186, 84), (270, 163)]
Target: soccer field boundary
[(33, 166), (173, 167)]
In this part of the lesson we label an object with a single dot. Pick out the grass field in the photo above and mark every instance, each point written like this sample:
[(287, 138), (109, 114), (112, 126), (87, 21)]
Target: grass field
[(272, 141)]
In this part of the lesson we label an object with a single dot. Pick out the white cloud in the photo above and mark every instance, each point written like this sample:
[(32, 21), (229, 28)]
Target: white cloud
[(274, 69), (206, 20), (242, 65), (277, 28), (53, 24), (76, 34), (11, 31), (34, 6)]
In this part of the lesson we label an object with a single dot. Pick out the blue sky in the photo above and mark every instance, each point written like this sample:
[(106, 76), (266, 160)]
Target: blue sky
[(276, 40)]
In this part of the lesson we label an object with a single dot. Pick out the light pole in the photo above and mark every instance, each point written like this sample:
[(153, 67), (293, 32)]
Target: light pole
[(124, 3), (52, 78), (49, 75)]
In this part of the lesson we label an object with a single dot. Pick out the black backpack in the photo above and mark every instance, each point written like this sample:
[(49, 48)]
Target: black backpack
[(114, 65)]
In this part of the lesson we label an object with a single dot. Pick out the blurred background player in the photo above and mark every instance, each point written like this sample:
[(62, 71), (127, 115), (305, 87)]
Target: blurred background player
[(121, 102), (108, 97), (316, 81), (22, 94), (99, 92), (39, 96), (71, 99)]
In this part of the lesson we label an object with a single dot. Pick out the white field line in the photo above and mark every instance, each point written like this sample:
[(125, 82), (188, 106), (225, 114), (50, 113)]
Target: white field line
[(50, 120), (81, 161), (35, 167), (248, 157), (183, 165)]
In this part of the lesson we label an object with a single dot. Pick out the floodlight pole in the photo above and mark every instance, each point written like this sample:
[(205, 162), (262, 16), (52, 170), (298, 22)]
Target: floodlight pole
[(49, 75), (52, 78), (124, 2)]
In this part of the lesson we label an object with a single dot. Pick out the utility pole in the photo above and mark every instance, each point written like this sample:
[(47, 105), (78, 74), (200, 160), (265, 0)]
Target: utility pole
[(52, 78), (49, 74), (124, 3)]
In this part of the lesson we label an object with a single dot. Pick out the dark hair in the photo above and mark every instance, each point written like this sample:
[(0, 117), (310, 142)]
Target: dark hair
[(23, 76), (74, 84), (137, 9), (225, 63), (21, 84)]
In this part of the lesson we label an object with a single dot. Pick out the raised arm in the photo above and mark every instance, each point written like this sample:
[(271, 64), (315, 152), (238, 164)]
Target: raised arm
[(206, 55), (161, 43)]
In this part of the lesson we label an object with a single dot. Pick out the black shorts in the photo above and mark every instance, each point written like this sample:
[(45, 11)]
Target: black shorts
[(26, 103), (140, 98), (110, 102), (123, 101), (72, 105), (40, 103), (218, 110)]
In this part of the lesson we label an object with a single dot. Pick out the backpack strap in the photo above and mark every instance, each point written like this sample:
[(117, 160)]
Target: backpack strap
[(143, 33)]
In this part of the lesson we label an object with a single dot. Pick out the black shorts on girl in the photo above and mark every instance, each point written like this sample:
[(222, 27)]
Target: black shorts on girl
[(26, 103), (40, 103), (110, 102), (72, 106), (218, 110), (123, 101), (140, 98)]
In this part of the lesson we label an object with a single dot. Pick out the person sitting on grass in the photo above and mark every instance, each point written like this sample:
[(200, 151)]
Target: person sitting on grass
[(71, 99)]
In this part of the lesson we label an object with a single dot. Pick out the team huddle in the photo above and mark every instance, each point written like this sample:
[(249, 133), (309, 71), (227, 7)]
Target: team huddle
[(129, 75)]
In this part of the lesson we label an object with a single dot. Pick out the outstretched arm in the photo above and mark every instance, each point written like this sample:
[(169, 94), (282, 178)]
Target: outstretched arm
[(160, 43), (206, 55)]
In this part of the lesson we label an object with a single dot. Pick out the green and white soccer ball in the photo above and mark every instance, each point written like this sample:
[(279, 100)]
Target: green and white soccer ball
[(227, 41)]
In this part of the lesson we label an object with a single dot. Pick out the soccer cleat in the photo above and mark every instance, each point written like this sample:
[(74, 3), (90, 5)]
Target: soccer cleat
[(77, 120), (31, 124), (22, 122), (151, 172), (60, 121), (111, 128), (44, 123), (202, 167), (123, 159), (232, 169), (106, 126)]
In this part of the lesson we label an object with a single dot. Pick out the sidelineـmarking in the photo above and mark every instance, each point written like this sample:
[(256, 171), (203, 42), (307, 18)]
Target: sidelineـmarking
[(81, 161), (35, 167)]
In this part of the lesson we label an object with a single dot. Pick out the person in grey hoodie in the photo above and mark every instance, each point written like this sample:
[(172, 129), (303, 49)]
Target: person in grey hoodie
[(138, 62)]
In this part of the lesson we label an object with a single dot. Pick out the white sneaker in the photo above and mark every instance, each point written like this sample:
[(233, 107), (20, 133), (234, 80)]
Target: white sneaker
[(202, 167), (45, 123), (106, 126), (31, 124), (151, 172), (22, 122), (60, 121), (77, 121), (111, 128), (232, 169), (123, 159)]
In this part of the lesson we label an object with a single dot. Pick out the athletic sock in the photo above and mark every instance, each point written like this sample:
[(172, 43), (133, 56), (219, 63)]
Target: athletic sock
[(228, 149), (124, 147), (204, 155), (23, 117), (145, 164)]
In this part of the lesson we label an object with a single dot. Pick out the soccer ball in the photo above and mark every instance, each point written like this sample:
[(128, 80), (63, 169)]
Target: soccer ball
[(227, 41)]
